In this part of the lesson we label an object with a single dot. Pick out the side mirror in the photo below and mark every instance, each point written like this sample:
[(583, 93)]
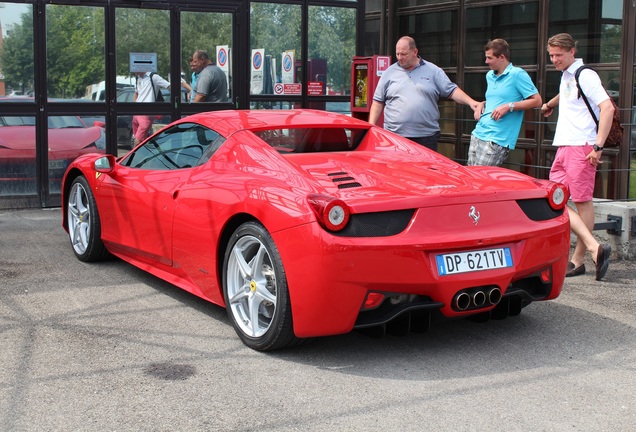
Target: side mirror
[(100, 124), (105, 164)]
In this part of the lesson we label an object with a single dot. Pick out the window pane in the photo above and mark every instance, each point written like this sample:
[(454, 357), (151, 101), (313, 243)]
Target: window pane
[(17, 156), (632, 174), (70, 137), (125, 139), (74, 50), (132, 36), (522, 160), (435, 34), (275, 49), (598, 35), (336, 107), (180, 147), (16, 55), (371, 37), (212, 33), (279, 104), (553, 79), (516, 23), (373, 5), (632, 143), (475, 86), (332, 45), (407, 3)]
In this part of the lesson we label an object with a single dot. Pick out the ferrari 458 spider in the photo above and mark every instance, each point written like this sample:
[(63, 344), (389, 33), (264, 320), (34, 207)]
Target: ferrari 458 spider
[(306, 223)]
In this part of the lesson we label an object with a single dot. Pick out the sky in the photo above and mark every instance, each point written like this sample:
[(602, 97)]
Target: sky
[(10, 14)]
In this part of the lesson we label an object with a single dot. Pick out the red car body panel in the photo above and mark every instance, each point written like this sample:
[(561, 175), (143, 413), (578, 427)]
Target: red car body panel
[(173, 223)]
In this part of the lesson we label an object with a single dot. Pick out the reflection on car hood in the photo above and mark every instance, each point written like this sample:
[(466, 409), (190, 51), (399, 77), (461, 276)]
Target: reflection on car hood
[(22, 138), (395, 176)]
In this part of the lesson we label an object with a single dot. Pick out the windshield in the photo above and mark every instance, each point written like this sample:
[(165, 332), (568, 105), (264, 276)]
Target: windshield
[(312, 140)]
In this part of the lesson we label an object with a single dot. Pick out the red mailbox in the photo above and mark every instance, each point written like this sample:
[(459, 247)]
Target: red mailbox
[(365, 74)]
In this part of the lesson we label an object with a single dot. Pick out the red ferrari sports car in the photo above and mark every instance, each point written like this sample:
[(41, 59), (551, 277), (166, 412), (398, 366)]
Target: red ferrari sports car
[(306, 223)]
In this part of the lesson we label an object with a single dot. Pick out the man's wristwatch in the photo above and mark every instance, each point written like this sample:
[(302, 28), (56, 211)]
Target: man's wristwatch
[(597, 148), (511, 105)]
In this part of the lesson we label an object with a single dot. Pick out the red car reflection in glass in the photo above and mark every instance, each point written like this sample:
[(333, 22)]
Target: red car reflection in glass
[(68, 137)]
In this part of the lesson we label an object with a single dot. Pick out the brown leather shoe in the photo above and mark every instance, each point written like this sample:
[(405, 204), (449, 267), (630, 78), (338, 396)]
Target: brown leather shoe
[(602, 260), (572, 270)]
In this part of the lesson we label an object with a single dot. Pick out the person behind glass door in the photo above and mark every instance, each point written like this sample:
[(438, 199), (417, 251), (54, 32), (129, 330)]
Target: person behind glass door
[(145, 83), (193, 79), (186, 89), (509, 92), (580, 147), (409, 91), (211, 83)]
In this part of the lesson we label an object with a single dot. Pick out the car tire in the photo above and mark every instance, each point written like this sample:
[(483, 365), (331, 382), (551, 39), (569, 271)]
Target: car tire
[(255, 290), (84, 226)]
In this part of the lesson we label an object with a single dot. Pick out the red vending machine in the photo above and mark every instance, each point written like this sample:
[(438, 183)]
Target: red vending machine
[(365, 74)]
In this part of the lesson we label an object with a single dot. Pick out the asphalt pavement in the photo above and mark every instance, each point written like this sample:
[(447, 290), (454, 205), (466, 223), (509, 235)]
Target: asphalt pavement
[(107, 347)]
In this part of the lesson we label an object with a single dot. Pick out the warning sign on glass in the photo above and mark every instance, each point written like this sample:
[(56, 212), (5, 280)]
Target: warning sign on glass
[(315, 88)]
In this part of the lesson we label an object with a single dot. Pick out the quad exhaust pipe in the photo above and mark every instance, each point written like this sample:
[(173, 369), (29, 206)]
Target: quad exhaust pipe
[(476, 298)]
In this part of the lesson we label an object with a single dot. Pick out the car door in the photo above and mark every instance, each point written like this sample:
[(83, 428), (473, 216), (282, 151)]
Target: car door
[(142, 194)]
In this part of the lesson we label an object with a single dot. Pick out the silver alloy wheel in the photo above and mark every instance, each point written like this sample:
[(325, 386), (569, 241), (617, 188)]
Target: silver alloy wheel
[(79, 218), (251, 286)]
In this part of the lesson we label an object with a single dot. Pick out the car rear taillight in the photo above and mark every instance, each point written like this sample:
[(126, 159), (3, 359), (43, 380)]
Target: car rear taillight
[(558, 193), (558, 196), (332, 213)]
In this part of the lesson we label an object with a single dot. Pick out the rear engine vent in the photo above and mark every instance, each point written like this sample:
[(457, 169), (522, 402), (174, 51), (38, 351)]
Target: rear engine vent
[(343, 180)]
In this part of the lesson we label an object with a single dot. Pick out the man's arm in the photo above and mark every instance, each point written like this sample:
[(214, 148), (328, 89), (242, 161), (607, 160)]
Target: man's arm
[(533, 101), (375, 111), (461, 97), (604, 122), (604, 126), (549, 106), (198, 97)]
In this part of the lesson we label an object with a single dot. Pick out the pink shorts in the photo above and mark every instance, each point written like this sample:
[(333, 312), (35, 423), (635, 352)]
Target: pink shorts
[(572, 169), (141, 127)]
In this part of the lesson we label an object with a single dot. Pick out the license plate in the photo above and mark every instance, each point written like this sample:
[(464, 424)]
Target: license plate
[(464, 262)]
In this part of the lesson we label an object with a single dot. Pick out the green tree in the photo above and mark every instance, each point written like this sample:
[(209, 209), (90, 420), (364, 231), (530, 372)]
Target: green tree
[(75, 49), (142, 31), (332, 33), (16, 57), (204, 31)]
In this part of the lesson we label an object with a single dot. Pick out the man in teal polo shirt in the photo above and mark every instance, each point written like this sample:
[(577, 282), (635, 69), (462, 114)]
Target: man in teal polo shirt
[(509, 93)]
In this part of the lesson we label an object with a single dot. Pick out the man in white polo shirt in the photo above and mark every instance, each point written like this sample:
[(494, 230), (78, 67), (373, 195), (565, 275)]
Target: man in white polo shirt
[(148, 87), (579, 148)]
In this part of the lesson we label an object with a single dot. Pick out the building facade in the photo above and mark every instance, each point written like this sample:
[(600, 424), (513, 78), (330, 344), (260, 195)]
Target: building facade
[(452, 34), (64, 64)]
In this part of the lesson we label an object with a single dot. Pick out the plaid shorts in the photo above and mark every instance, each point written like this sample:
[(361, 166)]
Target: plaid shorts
[(483, 152)]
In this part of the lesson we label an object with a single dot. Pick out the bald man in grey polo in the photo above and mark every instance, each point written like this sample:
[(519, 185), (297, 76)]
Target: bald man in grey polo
[(412, 113)]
